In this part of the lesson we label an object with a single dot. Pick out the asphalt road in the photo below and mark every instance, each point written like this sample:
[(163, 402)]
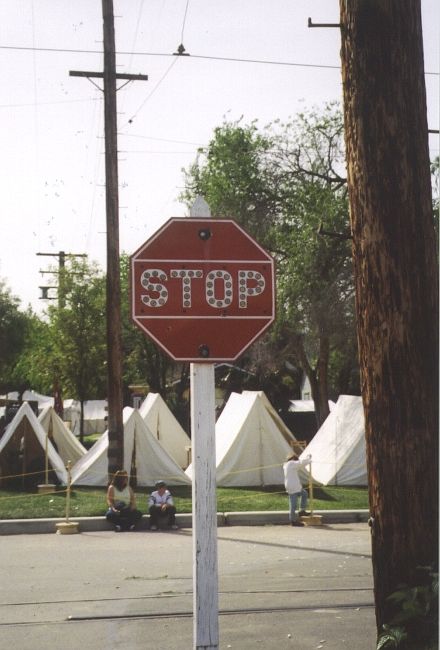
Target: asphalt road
[(279, 588)]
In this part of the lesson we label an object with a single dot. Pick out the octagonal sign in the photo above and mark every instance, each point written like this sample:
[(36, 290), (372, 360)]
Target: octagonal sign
[(202, 289)]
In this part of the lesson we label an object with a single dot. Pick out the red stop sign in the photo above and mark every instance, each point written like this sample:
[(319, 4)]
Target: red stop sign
[(202, 289)]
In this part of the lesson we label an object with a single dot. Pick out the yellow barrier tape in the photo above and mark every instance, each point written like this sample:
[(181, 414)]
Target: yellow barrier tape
[(170, 477), (41, 471), (28, 495)]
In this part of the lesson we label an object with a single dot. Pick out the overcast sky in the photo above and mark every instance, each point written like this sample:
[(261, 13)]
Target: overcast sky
[(52, 162)]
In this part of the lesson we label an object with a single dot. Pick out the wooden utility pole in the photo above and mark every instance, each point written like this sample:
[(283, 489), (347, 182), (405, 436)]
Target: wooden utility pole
[(113, 311), (396, 280), (113, 286), (61, 266)]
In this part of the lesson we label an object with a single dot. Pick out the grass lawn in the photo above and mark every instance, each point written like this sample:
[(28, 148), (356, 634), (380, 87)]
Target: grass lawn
[(90, 439), (86, 502)]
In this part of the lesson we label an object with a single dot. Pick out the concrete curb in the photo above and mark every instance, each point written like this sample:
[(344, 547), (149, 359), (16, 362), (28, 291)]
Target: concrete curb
[(93, 524)]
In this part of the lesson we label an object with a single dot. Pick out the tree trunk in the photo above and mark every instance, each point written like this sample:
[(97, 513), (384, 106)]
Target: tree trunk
[(321, 398), (396, 281), (81, 422), (318, 377)]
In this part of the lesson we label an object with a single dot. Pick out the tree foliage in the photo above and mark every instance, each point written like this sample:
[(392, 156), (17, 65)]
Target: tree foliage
[(33, 367), (284, 184), (143, 361), (78, 331), (14, 329)]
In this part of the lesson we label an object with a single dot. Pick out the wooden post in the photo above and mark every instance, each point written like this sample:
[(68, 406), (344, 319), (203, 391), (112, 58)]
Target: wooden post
[(311, 519), (205, 571), (204, 502), (46, 452), (69, 479), (67, 527)]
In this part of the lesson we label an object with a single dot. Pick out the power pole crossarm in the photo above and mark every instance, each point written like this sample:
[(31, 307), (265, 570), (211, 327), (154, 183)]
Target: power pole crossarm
[(100, 75)]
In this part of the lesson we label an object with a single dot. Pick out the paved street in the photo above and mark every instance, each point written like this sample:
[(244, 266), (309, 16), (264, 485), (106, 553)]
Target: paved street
[(280, 588)]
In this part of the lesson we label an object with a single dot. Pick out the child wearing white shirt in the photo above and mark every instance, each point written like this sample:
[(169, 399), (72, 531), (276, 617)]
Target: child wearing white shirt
[(161, 505)]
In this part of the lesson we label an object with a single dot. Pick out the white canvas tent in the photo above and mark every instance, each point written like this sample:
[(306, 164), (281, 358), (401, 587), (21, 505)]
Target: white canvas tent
[(338, 448), (95, 416), (72, 415), (279, 422), (30, 396), (250, 448), (166, 428), (23, 447), (68, 447), (306, 405), (141, 450)]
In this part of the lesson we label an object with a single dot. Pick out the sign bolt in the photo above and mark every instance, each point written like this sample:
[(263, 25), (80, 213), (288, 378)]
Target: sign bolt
[(204, 351), (205, 234)]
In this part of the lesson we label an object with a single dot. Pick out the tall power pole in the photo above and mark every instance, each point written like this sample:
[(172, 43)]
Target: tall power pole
[(61, 266), (113, 311)]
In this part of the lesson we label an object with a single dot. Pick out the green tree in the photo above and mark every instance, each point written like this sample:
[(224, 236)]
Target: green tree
[(14, 325), (33, 368), (281, 183), (77, 328), (143, 361)]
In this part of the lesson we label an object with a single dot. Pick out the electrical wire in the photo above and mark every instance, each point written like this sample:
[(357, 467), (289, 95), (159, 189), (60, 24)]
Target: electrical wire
[(148, 137), (164, 75), (184, 21), (192, 56), (167, 71)]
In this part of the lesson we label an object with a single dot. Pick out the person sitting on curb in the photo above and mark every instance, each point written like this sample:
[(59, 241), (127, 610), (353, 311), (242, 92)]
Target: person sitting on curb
[(161, 505), (294, 487), (121, 501)]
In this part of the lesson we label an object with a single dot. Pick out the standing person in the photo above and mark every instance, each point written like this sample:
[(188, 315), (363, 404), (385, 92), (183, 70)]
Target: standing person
[(161, 505), (121, 501), (294, 487)]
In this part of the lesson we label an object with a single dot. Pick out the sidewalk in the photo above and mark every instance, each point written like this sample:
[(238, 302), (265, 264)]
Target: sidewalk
[(279, 588), (94, 524)]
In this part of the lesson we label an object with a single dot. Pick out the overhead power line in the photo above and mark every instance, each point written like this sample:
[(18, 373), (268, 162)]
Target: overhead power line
[(166, 54), (192, 56)]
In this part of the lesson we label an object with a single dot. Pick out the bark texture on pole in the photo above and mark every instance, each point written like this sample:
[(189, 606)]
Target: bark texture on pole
[(114, 337), (396, 280)]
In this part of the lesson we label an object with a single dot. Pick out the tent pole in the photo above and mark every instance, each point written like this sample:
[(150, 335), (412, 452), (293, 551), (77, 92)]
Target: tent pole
[(46, 451), (23, 463), (68, 492), (310, 488)]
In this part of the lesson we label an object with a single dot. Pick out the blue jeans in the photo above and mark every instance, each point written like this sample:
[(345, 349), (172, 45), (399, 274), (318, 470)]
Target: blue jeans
[(293, 498)]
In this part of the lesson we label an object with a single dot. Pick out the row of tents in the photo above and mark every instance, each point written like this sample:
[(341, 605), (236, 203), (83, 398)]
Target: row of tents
[(94, 410), (252, 443)]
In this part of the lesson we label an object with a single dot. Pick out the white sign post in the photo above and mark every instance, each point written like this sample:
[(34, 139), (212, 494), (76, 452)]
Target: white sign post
[(204, 502)]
